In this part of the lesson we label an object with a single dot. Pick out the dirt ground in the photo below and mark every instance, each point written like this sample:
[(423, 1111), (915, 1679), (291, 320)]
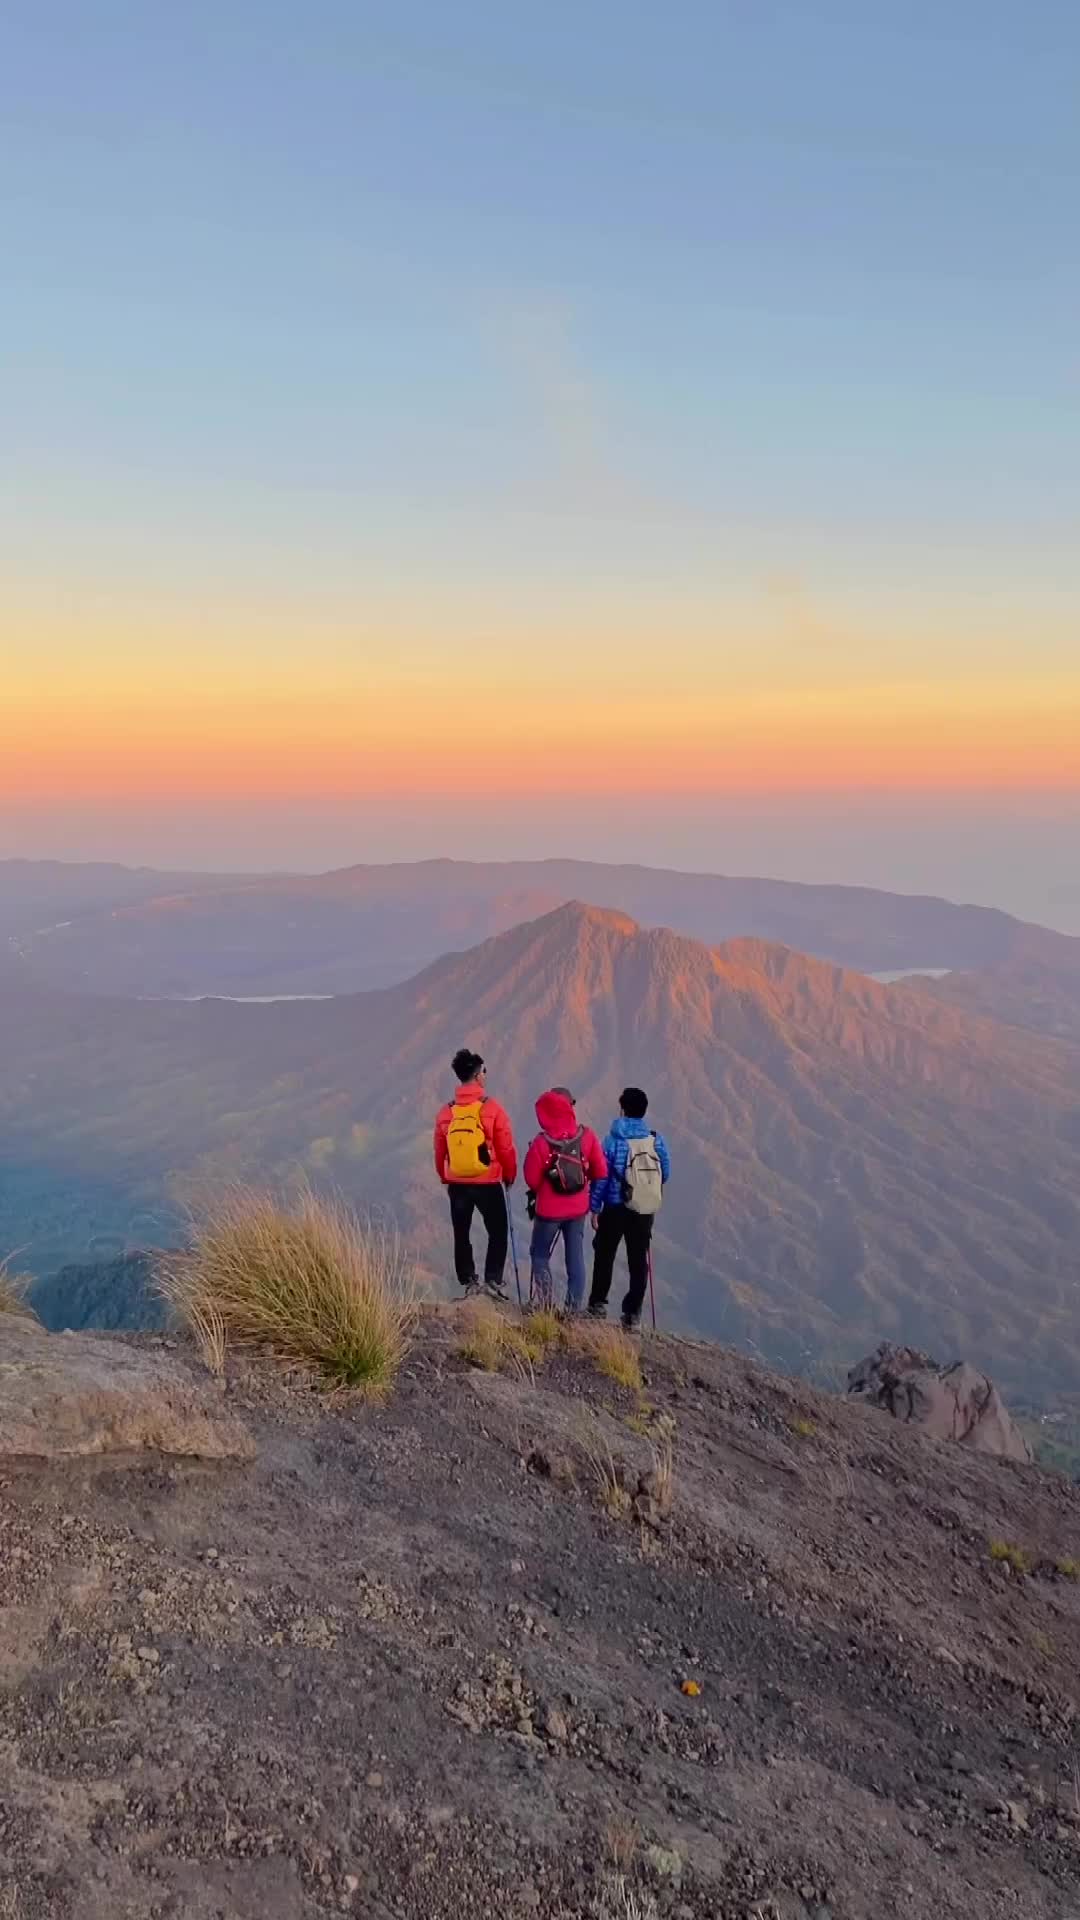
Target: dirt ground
[(411, 1664)]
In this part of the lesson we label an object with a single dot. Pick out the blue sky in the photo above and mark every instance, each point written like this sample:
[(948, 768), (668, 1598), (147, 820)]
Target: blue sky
[(338, 331), (809, 269)]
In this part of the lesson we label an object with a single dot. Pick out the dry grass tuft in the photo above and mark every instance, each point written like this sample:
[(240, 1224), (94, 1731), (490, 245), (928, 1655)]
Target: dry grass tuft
[(310, 1282), (1069, 1569), (183, 1288), (610, 1352), (663, 1464), (621, 1839), (605, 1469), (481, 1342), (618, 1901), (803, 1428), (543, 1329), (492, 1341), (13, 1290), (1007, 1555)]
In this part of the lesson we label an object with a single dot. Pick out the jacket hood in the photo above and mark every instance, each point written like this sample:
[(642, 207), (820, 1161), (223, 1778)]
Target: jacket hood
[(556, 1115), (624, 1129)]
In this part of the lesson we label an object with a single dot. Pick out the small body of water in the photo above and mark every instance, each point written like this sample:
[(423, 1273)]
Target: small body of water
[(237, 999), (890, 978)]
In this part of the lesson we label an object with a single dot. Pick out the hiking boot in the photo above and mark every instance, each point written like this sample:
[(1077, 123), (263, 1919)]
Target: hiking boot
[(631, 1323), (470, 1288), (598, 1310), (568, 1312), (494, 1290)]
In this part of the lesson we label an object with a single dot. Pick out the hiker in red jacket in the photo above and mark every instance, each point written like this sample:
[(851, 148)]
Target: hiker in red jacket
[(559, 1165), (476, 1159)]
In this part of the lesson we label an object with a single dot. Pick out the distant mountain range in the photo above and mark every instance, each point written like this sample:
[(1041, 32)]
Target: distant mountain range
[(853, 1161), (114, 930), (34, 894)]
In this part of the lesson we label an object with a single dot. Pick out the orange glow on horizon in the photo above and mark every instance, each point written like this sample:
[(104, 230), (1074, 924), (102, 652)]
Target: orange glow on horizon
[(138, 703), (906, 738)]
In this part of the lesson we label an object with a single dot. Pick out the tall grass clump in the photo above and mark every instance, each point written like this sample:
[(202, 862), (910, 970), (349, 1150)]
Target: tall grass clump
[(13, 1289), (308, 1281), (491, 1341), (542, 1329), (615, 1357)]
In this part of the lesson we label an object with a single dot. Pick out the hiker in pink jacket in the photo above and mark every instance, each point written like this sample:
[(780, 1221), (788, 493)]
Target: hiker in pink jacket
[(560, 1163)]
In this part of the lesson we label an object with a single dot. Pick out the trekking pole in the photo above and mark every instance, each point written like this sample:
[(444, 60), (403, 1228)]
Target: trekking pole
[(513, 1247), (652, 1293)]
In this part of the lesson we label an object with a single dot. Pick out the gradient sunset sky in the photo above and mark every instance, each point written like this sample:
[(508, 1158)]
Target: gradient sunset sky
[(606, 400)]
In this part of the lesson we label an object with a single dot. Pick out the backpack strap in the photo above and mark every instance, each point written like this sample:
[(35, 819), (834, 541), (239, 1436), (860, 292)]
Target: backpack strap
[(568, 1140)]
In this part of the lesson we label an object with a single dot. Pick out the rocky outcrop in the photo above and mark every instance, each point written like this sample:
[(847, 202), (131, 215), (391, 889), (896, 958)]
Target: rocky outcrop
[(65, 1394), (952, 1403)]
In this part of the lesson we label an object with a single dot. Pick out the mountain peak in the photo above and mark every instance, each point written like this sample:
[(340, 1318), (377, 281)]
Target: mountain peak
[(580, 915)]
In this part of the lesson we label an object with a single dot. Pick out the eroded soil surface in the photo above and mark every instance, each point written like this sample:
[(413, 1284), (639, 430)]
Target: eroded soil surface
[(411, 1662)]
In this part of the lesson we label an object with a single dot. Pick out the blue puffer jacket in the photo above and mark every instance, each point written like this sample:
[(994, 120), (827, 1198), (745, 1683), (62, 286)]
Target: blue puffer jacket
[(609, 1192)]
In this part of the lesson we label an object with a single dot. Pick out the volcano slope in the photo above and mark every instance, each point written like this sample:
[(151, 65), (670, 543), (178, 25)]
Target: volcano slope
[(852, 1161), (408, 1663)]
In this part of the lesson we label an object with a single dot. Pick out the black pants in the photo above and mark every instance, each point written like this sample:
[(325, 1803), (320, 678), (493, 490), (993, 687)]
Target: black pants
[(489, 1200), (616, 1225)]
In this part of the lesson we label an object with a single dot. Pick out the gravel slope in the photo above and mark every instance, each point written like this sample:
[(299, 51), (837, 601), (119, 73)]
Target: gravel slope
[(408, 1664)]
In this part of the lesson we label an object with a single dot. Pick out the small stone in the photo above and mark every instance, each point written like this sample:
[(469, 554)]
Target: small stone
[(374, 1780), (555, 1725), (1018, 1815), (352, 1883), (149, 1654), (530, 1896), (517, 1566)]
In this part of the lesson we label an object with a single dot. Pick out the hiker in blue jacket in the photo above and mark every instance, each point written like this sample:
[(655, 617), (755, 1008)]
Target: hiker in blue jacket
[(625, 1204)]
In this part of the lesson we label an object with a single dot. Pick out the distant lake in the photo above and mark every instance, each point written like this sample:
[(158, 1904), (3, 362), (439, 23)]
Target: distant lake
[(238, 999), (911, 973), (887, 979)]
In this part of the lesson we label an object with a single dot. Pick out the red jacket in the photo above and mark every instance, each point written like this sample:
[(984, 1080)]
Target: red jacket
[(497, 1133), (557, 1117)]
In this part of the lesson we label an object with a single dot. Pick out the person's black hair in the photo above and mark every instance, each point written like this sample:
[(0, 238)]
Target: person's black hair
[(466, 1064), (634, 1103)]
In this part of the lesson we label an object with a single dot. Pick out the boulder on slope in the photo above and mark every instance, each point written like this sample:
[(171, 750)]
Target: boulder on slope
[(64, 1394), (955, 1403)]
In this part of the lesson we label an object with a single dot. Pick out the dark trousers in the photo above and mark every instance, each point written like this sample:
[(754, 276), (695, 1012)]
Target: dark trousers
[(616, 1225), (488, 1199)]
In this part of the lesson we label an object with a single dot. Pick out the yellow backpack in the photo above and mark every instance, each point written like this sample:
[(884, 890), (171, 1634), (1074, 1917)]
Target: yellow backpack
[(467, 1150)]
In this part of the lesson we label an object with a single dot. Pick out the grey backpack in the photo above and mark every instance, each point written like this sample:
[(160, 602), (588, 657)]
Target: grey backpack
[(643, 1181)]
